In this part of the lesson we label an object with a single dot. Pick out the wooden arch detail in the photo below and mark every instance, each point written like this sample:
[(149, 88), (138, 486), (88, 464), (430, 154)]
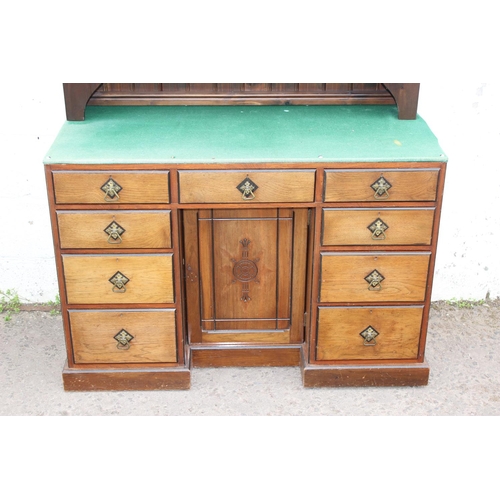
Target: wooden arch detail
[(78, 95)]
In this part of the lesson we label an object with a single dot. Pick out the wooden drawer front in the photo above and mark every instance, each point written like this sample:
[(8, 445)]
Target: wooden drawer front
[(136, 187), (153, 335), (406, 185), (114, 230), (222, 186), (401, 226), (339, 332), (349, 278), (87, 279)]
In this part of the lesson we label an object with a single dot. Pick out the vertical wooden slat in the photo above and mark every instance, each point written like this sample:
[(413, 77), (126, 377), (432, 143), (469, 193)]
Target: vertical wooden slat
[(309, 321), (147, 87), (312, 87), (191, 273), (284, 87), (284, 268), (178, 290), (257, 87), (203, 88), (172, 88), (229, 87), (363, 88), (205, 249), (299, 274), (120, 87), (338, 88)]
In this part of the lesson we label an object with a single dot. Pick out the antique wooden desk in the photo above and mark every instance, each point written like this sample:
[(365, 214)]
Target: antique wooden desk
[(291, 235)]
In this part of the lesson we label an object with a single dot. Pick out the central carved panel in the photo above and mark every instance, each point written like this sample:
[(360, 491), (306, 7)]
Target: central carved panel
[(245, 270), (239, 266)]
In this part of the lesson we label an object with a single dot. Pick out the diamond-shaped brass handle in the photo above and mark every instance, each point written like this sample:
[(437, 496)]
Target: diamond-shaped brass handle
[(374, 280), (119, 280), (369, 335), (111, 189), (123, 338), (247, 188), (381, 187), (378, 228), (114, 232)]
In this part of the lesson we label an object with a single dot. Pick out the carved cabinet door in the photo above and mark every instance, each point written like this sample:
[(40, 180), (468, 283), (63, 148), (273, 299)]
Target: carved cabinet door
[(245, 275)]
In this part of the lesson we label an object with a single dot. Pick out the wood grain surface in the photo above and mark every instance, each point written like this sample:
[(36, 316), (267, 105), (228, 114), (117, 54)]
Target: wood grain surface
[(339, 332), (221, 186), (85, 187), (351, 226), (87, 279), (343, 277), (142, 229), (93, 332), (406, 185)]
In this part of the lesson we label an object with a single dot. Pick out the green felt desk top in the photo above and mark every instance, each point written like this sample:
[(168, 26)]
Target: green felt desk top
[(226, 134)]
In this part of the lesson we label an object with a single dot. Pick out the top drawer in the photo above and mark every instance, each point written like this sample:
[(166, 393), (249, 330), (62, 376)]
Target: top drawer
[(111, 187), (381, 185), (229, 186)]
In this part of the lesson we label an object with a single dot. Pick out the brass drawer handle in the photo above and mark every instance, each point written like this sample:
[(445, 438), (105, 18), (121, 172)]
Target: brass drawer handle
[(123, 339), (114, 232), (111, 189), (381, 187), (119, 280), (247, 188), (378, 228), (374, 280), (369, 335)]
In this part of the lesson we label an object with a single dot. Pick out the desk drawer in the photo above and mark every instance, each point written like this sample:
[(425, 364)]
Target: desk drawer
[(389, 333), (141, 336), (111, 187), (118, 279), (227, 186), (113, 230), (377, 227), (374, 277), (388, 185)]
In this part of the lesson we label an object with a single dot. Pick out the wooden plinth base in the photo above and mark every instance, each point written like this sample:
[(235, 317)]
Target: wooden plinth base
[(147, 379), (150, 379), (205, 357), (364, 375)]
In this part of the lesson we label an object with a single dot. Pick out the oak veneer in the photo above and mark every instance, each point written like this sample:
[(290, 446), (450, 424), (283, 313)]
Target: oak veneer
[(406, 185), (352, 227), (141, 229), (272, 186), (272, 280), (343, 277), (153, 332), (340, 327), (85, 187), (150, 279)]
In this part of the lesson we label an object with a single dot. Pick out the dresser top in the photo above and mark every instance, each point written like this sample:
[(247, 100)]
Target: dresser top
[(236, 134)]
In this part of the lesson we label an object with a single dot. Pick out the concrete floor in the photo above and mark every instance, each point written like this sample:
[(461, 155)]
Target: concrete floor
[(463, 351)]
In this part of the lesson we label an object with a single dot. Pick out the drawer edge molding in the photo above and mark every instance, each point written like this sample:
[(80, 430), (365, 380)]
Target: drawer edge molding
[(228, 186), (93, 187), (379, 184), (150, 278)]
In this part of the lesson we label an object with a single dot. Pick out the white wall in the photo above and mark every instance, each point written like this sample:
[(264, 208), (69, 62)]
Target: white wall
[(28, 127), (464, 118), (466, 121)]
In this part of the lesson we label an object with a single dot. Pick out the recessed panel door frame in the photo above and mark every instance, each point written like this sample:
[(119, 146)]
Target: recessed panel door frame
[(245, 275)]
